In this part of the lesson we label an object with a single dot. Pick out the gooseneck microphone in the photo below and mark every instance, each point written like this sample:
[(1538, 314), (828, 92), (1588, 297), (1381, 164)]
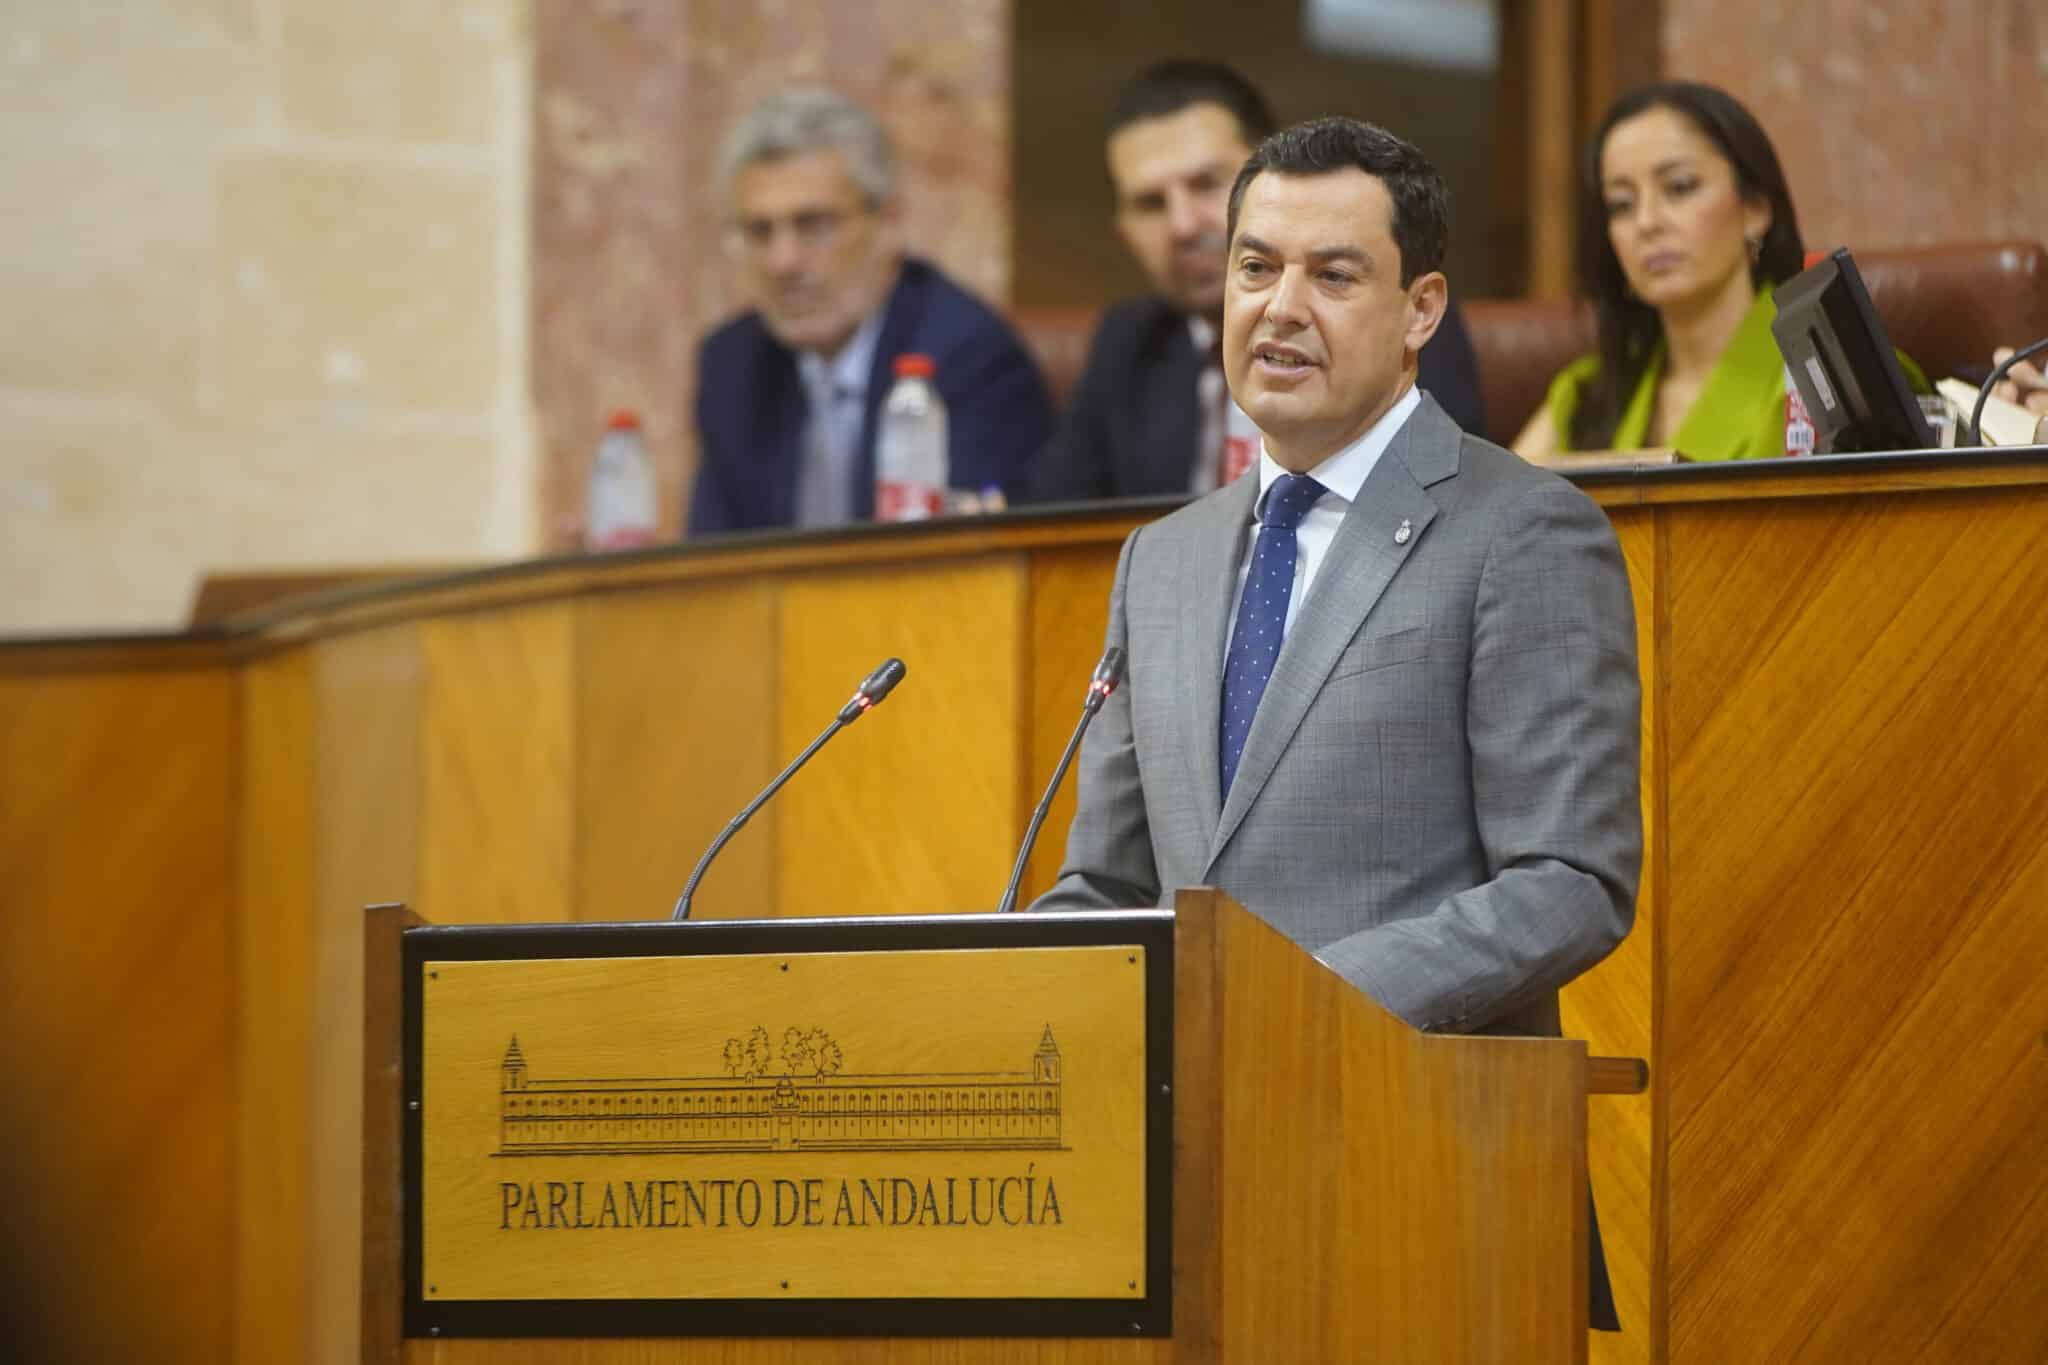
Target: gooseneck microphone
[(866, 698), (1108, 674), (1976, 431)]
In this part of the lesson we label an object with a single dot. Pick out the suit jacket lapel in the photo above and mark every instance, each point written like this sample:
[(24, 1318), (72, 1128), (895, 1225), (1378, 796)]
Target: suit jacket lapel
[(784, 412), (1206, 587), (1361, 562)]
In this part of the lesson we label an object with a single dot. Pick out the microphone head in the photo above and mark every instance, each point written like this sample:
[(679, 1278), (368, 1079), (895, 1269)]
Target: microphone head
[(882, 681), (872, 689), (1110, 671)]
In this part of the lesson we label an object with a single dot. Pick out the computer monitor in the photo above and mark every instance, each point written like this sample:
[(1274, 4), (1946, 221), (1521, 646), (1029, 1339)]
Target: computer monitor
[(1842, 362)]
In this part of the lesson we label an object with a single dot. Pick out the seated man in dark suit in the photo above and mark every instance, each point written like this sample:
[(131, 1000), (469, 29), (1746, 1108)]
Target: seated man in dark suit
[(789, 395), (1150, 414)]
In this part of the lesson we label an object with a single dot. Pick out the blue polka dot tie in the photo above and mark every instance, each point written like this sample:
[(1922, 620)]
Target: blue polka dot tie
[(1262, 613)]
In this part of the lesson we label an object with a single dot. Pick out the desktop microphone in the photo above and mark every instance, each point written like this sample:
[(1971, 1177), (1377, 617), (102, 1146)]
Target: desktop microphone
[(1108, 674), (1976, 432), (866, 698)]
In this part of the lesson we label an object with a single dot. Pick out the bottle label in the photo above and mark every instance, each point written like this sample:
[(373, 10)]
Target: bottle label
[(623, 538), (908, 501), (1799, 428)]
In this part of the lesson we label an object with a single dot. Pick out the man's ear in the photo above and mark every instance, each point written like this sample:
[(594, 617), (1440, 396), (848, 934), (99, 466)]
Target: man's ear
[(1429, 297)]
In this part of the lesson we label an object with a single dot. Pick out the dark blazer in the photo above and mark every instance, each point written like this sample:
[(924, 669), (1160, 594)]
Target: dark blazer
[(751, 406), (1132, 425)]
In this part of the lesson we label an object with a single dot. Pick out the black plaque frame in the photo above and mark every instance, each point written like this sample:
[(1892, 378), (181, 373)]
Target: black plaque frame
[(1150, 1315)]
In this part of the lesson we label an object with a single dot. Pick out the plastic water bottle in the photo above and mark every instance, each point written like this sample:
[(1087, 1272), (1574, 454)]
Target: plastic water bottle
[(910, 446), (619, 507)]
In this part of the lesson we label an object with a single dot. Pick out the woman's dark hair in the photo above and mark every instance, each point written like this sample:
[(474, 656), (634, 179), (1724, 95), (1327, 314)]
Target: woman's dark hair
[(1628, 327)]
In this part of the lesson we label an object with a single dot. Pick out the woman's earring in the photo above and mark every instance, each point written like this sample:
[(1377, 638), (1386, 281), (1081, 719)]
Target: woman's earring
[(1756, 248)]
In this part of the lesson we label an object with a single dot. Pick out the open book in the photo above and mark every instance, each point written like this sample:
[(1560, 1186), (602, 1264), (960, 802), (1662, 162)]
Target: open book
[(2005, 424), (1605, 461)]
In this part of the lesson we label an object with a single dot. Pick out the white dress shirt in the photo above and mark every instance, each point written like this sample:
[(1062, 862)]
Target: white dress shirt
[(1342, 475)]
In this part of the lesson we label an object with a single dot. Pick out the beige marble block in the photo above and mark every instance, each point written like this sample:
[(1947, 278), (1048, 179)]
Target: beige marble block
[(412, 73), (360, 283), (266, 268)]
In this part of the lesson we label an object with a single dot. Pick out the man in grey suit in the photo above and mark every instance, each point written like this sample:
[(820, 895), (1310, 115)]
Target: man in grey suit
[(1384, 694)]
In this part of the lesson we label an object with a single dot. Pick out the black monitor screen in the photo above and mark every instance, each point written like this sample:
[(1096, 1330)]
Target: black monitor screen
[(1842, 363)]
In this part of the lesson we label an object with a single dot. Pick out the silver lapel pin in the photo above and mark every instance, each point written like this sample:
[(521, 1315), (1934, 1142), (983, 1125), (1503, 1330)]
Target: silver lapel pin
[(1402, 532)]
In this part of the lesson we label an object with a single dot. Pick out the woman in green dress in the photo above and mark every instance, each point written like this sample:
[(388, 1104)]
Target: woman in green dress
[(1685, 226)]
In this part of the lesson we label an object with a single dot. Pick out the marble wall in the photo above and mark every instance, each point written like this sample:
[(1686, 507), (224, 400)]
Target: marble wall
[(265, 264), (631, 102), (1899, 122)]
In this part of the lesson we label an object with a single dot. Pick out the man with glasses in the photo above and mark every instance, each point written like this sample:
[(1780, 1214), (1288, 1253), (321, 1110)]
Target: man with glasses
[(1150, 414), (788, 395)]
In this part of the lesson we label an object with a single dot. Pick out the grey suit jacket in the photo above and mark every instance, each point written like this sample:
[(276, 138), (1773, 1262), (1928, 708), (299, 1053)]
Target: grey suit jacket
[(1438, 796)]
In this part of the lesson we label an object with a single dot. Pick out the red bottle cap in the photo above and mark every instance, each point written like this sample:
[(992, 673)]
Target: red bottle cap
[(623, 420), (919, 365)]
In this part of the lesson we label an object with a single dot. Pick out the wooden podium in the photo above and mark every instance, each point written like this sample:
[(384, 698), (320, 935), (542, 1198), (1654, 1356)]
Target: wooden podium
[(1234, 1155)]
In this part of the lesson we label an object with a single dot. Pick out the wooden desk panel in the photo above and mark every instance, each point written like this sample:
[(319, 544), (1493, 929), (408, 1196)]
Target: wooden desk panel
[(676, 728), (1854, 1010), (917, 807), (117, 1005)]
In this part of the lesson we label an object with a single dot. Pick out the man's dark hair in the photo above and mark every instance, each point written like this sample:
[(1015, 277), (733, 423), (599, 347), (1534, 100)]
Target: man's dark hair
[(1422, 204), (1168, 87)]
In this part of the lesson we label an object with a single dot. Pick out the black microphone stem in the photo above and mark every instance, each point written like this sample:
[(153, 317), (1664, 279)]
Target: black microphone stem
[(1976, 431), (682, 910), (1009, 902), (1109, 673), (873, 688)]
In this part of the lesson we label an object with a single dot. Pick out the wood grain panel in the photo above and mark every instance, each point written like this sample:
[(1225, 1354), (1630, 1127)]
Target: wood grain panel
[(498, 767), (1437, 1181), (275, 1020), (676, 728), (1854, 1003), (367, 697), (918, 807), (1069, 616), (1610, 1007), (117, 1013)]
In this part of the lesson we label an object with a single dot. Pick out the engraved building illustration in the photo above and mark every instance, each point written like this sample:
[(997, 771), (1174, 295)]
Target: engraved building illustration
[(832, 1111)]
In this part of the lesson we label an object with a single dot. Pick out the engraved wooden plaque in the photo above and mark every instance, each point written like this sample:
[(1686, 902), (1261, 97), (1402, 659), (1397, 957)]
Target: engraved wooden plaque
[(892, 1126)]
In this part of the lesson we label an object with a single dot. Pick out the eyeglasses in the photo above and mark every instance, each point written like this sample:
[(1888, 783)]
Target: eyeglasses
[(813, 229)]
